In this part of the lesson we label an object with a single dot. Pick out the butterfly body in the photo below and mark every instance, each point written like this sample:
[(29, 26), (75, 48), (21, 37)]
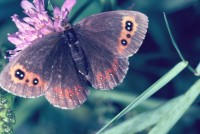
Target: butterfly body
[(76, 51), (60, 65)]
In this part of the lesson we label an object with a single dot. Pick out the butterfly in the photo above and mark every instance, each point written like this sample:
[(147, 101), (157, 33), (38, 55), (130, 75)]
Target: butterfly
[(62, 65)]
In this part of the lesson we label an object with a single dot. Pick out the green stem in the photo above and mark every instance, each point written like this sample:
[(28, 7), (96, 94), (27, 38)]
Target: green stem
[(7, 117)]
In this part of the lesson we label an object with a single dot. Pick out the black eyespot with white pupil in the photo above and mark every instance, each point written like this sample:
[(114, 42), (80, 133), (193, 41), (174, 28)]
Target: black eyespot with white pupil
[(129, 26), (19, 74), (129, 23), (124, 42), (35, 81)]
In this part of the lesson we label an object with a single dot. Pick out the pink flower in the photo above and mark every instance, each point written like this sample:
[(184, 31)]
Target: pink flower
[(38, 23)]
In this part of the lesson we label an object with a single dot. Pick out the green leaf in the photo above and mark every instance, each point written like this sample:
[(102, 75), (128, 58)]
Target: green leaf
[(150, 91), (198, 70), (168, 120), (176, 46), (7, 117), (139, 122), (50, 7)]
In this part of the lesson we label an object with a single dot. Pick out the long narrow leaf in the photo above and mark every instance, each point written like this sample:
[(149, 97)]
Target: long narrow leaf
[(144, 120), (176, 46), (147, 119), (198, 70), (150, 91), (169, 120)]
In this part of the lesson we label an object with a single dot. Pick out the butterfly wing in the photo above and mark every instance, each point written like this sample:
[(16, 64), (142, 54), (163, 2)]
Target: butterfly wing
[(45, 68), (120, 32), (17, 77), (108, 39), (68, 88)]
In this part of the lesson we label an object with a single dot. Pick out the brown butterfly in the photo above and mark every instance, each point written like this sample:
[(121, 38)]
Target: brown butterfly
[(62, 65)]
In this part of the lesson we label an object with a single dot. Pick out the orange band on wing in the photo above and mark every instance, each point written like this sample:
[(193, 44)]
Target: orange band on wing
[(102, 77), (28, 78), (67, 98), (126, 35)]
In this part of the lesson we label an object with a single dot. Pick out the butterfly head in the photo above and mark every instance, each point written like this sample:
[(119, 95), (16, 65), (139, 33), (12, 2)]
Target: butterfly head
[(70, 35)]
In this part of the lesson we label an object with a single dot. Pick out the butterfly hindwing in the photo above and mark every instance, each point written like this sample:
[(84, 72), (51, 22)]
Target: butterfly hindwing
[(105, 70), (108, 39), (107, 73), (67, 87), (45, 68)]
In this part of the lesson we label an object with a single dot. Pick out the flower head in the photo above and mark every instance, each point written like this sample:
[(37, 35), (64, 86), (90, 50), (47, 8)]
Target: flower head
[(37, 23)]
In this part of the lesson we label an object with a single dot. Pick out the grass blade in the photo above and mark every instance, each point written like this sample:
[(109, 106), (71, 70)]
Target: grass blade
[(140, 121), (150, 91), (168, 121), (176, 46), (172, 38), (198, 70)]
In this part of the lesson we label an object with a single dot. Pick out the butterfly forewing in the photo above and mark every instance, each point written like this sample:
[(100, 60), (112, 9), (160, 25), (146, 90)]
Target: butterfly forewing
[(108, 39), (46, 68), (120, 32), (19, 75)]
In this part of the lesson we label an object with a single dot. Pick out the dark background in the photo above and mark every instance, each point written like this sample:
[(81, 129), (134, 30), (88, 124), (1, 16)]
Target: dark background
[(156, 56)]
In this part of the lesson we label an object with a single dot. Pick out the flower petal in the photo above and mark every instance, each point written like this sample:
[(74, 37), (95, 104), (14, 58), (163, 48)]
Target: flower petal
[(13, 38), (66, 8), (22, 26), (68, 5), (37, 24), (57, 19), (39, 4), (26, 5)]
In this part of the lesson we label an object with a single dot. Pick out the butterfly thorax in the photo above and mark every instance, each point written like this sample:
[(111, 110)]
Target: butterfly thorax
[(70, 36), (77, 53)]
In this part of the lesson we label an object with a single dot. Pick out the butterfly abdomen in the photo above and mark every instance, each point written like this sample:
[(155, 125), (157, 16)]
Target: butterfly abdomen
[(76, 51)]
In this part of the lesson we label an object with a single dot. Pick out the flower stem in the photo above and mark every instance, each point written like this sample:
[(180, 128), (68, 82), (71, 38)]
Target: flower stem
[(7, 117)]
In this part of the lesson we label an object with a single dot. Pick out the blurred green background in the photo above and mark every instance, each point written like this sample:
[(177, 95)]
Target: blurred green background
[(156, 56)]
